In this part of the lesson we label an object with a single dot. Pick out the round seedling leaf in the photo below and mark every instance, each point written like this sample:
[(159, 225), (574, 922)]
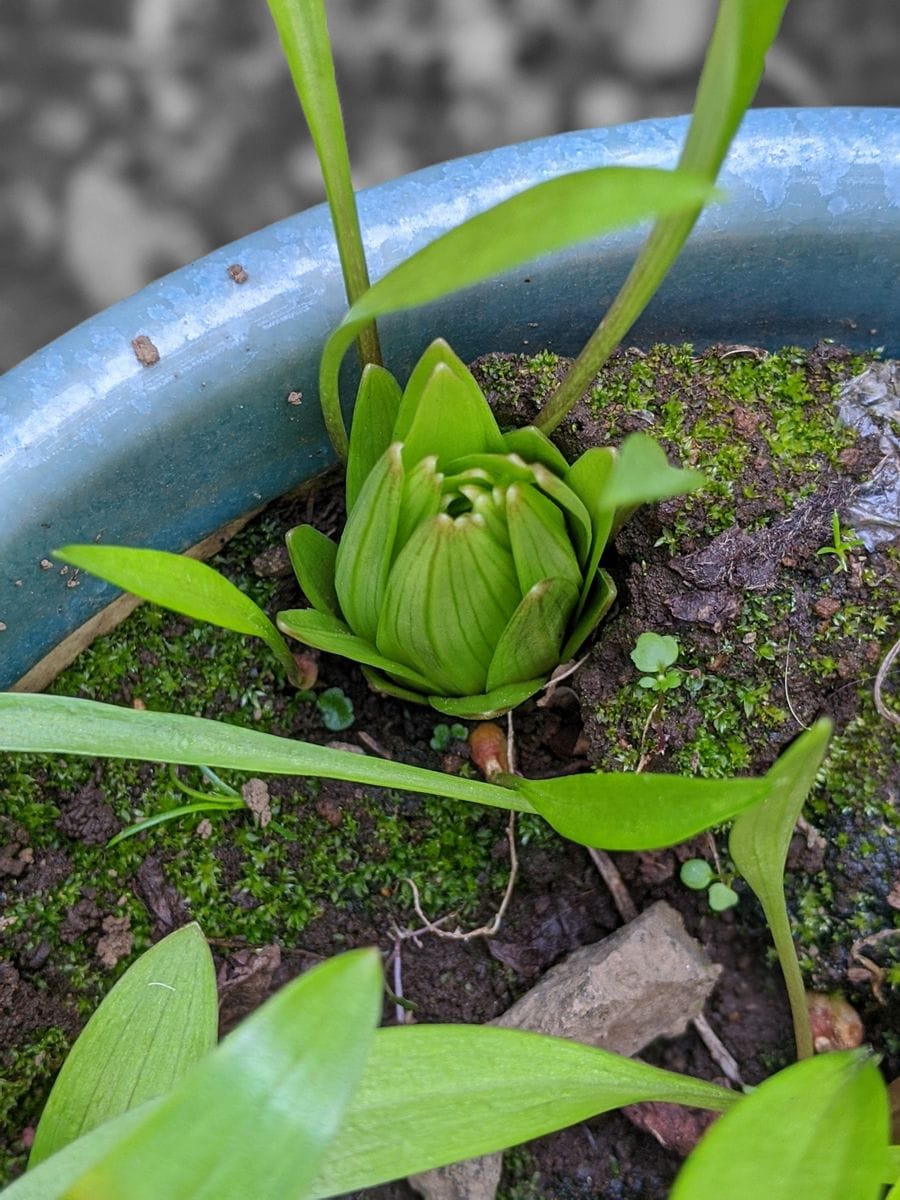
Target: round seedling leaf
[(722, 897), (654, 652), (696, 873), (336, 709)]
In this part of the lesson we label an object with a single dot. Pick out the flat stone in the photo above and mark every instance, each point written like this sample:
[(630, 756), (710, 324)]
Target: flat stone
[(647, 980)]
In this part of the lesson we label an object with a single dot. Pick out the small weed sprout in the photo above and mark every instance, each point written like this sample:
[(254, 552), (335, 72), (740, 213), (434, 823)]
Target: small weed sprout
[(445, 734), (336, 709), (842, 541), (655, 654), (698, 875)]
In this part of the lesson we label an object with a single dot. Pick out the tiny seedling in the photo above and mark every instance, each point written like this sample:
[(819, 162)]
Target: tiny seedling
[(843, 540), (445, 734), (655, 654), (336, 709), (698, 875)]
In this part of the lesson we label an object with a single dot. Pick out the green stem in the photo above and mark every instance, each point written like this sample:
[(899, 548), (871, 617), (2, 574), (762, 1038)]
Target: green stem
[(779, 924), (653, 263), (303, 30)]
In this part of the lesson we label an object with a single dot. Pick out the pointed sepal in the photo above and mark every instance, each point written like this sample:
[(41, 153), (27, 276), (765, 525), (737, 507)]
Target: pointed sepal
[(599, 601), (313, 556), (530, 644), (451, 419), (490, 704)]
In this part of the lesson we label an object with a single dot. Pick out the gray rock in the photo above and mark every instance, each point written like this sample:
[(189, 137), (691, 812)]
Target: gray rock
[(649, 979)]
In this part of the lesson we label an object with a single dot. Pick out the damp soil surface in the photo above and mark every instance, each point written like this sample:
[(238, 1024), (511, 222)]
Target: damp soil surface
[(772, 633)]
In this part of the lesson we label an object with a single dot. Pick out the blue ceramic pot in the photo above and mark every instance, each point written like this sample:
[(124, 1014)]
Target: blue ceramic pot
[(95, 445)]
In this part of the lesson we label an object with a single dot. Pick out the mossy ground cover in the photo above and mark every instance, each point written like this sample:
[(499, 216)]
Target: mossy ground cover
[(328, 869)]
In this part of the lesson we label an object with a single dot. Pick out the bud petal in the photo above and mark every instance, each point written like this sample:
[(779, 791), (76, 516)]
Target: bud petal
[(421, 499), (449, 596), (530, 643), (540, 542), (452, 419)]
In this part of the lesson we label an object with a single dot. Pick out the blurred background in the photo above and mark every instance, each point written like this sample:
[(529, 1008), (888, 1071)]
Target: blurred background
[(139, 134)]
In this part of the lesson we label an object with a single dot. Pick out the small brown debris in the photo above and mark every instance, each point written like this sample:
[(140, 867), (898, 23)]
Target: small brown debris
[(850, 457), (676, 1128), (204, 828), (893, 896), (487, 747), (2, 626), (836, 1025), (244, 981), (117, 940), (272, 563), (330, 812), (826, 607), (295, 398), (46, 564), (255, 793), (144, 351), (237, 273), (745, 422)]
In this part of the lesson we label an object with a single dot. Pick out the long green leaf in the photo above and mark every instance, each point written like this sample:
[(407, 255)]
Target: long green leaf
[(759, 843), (160, 1018), (744, 31), (816, 1131), (441, 1093), (541, 219), (626, 811), (303, 30), (256, 1117), (62, 725), (432, 1095), (183, 585)]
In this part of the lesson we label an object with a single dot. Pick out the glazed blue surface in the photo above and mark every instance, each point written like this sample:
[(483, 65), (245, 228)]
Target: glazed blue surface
[(95, 446)]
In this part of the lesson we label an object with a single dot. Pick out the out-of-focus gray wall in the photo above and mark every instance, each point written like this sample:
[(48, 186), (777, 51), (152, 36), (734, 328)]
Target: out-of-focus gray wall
[(136, 135)]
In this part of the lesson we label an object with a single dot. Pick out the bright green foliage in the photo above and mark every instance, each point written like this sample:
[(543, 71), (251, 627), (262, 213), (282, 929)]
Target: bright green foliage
[(286, 1098), (735, 59), (616, 811), (255, 1117), (842, 540), (696, 874), (183, 585), (759, 843), (469, 565), (544, 218), (160, 1017), (656, 654), (721, 896), (816, 1131), (303, 31)]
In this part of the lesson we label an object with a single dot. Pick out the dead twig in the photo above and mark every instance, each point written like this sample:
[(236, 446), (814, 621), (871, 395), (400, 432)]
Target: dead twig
[(609, 873), (718, 1051), (787, 696)]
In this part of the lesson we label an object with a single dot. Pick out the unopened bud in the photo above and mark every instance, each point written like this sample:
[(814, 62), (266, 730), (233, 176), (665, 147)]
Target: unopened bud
[(487, 746)]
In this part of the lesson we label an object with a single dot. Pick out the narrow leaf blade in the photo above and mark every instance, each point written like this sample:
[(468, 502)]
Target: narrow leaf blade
[(313, 556), (371, 432), (823, 1125), (625, 811), (274, 1093), (182, 585), (437, 1094), (544, 218), (160, 1018), (36, 724)]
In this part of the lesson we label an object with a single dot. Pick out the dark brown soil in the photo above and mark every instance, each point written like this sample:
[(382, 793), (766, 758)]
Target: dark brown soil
[(559, 902)]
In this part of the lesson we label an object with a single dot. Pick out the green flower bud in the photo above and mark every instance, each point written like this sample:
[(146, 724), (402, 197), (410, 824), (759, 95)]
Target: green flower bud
[(469, 564)]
